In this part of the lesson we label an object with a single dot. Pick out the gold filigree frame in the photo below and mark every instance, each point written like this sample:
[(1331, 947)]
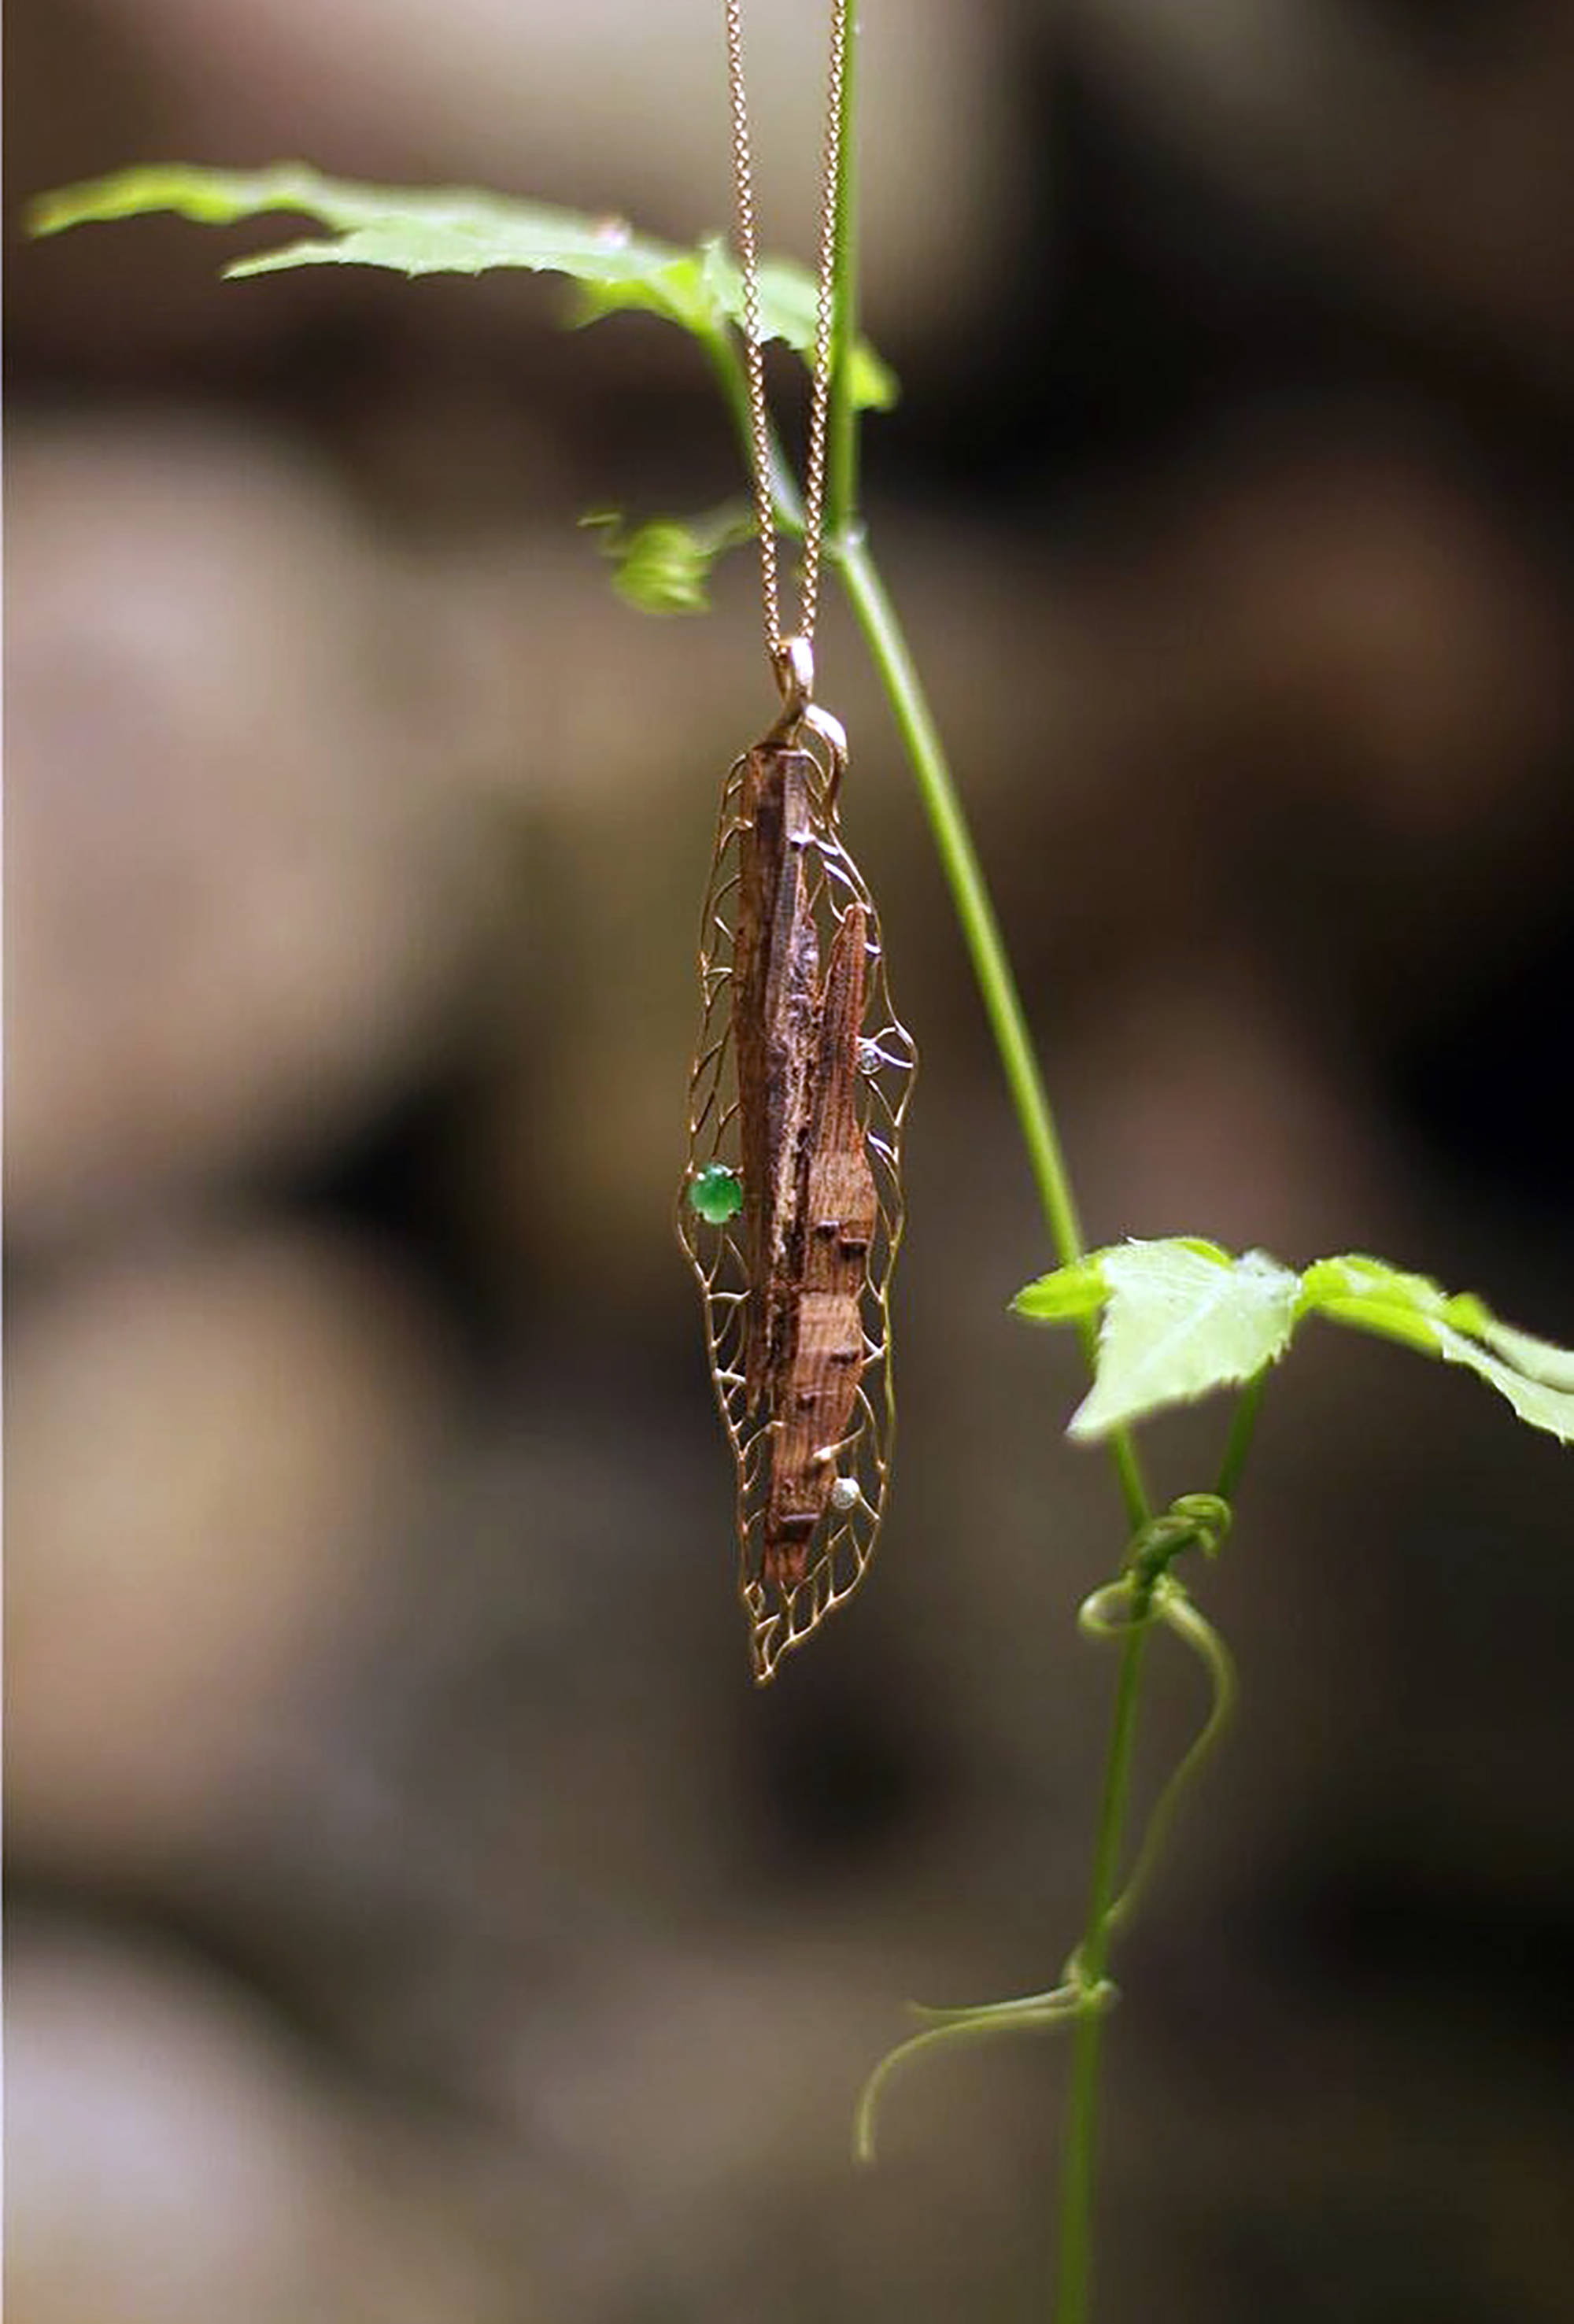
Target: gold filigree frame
[(779, 1617)]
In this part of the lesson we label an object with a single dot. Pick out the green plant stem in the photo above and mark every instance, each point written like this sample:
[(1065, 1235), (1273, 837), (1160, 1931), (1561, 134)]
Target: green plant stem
[(1074, 2257), (1002, 1003), (722, 353), (1238, 1443)]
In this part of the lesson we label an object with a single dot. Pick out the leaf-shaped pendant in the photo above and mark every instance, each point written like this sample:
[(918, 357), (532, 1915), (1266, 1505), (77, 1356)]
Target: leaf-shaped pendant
[(791, 1204)]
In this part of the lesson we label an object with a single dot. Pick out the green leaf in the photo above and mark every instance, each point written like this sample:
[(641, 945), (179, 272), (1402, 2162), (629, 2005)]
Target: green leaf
[(1542, 1404), (1536, 1377), (1066, 1296), (1183, 1318), (453, 231), (1370, 1295), (1538, 1359), (664, 566)]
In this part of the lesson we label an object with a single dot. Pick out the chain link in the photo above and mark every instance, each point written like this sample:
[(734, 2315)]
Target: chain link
[(753, 353)]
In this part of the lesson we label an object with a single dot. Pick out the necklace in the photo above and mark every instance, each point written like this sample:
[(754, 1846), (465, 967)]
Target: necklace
[(791, 1204)]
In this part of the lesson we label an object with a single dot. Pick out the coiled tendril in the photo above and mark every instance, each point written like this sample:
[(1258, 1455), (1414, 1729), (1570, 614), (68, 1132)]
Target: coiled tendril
[(1144, 1590)]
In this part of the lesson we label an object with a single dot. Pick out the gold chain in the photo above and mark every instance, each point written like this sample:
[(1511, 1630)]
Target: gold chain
[(820, 392)]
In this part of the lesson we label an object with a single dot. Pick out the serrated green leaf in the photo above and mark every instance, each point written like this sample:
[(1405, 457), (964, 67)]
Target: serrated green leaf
[(1066, 1296), (1183, 1318), (1538, 1359), (1536, 1401), (451, 230), (1536, 1377)]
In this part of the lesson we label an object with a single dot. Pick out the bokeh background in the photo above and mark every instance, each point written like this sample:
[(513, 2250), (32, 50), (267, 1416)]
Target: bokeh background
[(415, 1916)]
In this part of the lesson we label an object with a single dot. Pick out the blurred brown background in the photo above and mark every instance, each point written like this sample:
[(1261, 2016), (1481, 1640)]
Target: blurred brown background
[(414, 1916)]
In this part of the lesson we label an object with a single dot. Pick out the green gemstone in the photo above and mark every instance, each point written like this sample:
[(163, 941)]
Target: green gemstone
[(716, 1193)]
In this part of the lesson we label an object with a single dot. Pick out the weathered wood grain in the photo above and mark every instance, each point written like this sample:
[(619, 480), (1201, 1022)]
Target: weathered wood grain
[(776, 1004), (815, 1380)]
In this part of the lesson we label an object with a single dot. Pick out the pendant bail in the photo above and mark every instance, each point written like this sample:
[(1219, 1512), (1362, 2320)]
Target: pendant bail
[(794, 664)]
